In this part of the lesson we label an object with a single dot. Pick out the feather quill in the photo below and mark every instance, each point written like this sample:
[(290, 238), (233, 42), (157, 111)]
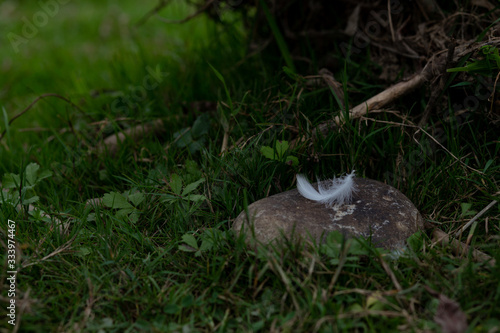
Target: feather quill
[(339, 191)]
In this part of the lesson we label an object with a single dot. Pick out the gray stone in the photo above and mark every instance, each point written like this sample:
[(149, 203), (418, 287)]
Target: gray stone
[(377, 210)]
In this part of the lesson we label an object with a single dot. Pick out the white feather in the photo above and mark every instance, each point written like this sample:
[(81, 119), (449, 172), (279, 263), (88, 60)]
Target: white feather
[(339, 191)]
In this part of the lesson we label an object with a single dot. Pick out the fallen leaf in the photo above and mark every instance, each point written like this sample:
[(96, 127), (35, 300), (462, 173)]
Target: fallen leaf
[(449, 315)]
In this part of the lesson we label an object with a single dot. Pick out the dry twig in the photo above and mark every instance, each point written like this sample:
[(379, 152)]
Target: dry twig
[(110, 144), (390, 273), (459, 248), (162, 4), (434, 67), (478, 215), (32, 104), (60, 249), (189, 17)]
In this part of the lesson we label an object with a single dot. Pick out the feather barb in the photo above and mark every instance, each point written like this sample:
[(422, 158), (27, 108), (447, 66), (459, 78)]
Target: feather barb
[(338, 192)]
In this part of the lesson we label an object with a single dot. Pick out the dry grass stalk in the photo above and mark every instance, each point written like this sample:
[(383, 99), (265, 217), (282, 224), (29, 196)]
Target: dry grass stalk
[(459, 248)]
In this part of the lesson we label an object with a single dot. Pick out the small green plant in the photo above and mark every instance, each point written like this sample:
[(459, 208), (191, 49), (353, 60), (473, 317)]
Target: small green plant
[(416, 241), (374, 302), (194, 138), (21, 188), (180, 194), (466, 209), (280, 153), (127, 204), (208, 239), (182, 200), (336, 244), (487, 64)]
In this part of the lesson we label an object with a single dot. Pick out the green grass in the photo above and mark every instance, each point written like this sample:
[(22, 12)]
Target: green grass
[(106, 269)]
